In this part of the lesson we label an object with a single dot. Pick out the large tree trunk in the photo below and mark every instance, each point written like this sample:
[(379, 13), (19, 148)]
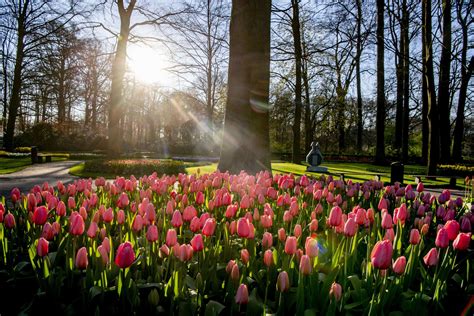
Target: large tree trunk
[(309, 133), (118, 72), (62, 93), (425, 130), (399, 102), (459, 128), (358, 80), (433, 151), (406, 80), (246, 143), (295, 26), (380, 120), (15, 97), (443, 86)]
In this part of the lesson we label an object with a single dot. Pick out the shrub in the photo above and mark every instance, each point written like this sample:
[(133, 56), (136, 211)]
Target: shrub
[(24, 150), (136, 167), (456, 170)]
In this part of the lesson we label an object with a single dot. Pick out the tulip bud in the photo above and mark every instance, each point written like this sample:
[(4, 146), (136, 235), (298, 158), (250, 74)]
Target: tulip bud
[(235, 273), (152, 233), (244, 256), (399, 265), (462, 241), (171, 237), (281, 234), (242, 296), (297, 230), (442, 239), (350, 228), (415, 236), (42, 248), (381, 255), (209, 227), (81, 258), (267, 240), (92, 231), (431, 258), (153, 297), (311, 247), (305, 265), (104, 254), (452, 227), (125, 255), (177, 220), (197, 243), (336, 291), (386, 221), (268, 257), (9, 221), (291, 245), (77, 224), (335, 216), (283, 282)]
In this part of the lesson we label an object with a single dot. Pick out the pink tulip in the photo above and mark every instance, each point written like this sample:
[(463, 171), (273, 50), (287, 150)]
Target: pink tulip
[(297, 230), (335, 291), (245, 202), (9, 221), (229, 266), (431, 258), (71, 203), (442, 238), (335, 216), (291, 245), (313, 226), (106, 244), (197, 243), (189, 213), (81, 259), (268, 257), (350, 228), (125, 255), (31, 202), (92, 230), (243, 229), (177, 220), (244, 256), (171, 237), (199, 198), (383, 204), (152, 233), (104, 254), (77, 224), (120, 217), (399, 265), (235, 273), (267, 240), (462, 241), (108, 215), (48, 232), (283, 282), (242, 296), (305, 265), (281, 234), (209, 227), (61, 209), (137, 224), (42, 248), (266, 221), (400, 214), (381, 255), (311, 247), (415, 236), (386, 220), (15, 195)]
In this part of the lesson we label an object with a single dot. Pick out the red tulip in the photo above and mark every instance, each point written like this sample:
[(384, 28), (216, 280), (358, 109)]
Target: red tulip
[(199, 198), (415, 236), (61, 209), (71, 203), (291, 245), (15, 195), (283, 282), (81, 259), (452, 227), (42, 248), (137, 224), (243, 229), (171, 237), (209, 227), (462, 241), (336, 291), (152, 233), (268, 257), (125, 255), (381, 255), (399, 265), (242, 296), (305, 265), (335, 216), (431, 258), (31, 202), (197, 243), (442, 238), (9, 221), (40, 216)]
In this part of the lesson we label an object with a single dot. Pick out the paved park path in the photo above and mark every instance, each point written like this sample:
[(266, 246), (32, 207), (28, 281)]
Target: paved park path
[(27, 178)]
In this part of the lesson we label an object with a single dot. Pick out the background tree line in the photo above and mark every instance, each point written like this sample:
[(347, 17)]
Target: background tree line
[(64, 74)]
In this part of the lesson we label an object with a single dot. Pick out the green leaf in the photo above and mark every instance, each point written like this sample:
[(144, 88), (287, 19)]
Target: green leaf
[(213, 308), (94, 291), (310, 312)]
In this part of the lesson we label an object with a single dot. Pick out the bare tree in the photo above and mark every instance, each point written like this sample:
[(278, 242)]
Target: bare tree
[(380, 122)]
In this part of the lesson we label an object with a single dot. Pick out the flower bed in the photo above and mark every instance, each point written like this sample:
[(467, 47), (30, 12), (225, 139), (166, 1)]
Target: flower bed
[(221, 244), (127, 167)]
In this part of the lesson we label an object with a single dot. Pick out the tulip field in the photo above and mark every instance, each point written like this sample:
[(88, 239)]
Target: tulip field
[(222, 244)]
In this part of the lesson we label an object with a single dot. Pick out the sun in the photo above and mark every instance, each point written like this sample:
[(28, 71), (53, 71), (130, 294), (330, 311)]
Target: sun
[(147, 64)]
